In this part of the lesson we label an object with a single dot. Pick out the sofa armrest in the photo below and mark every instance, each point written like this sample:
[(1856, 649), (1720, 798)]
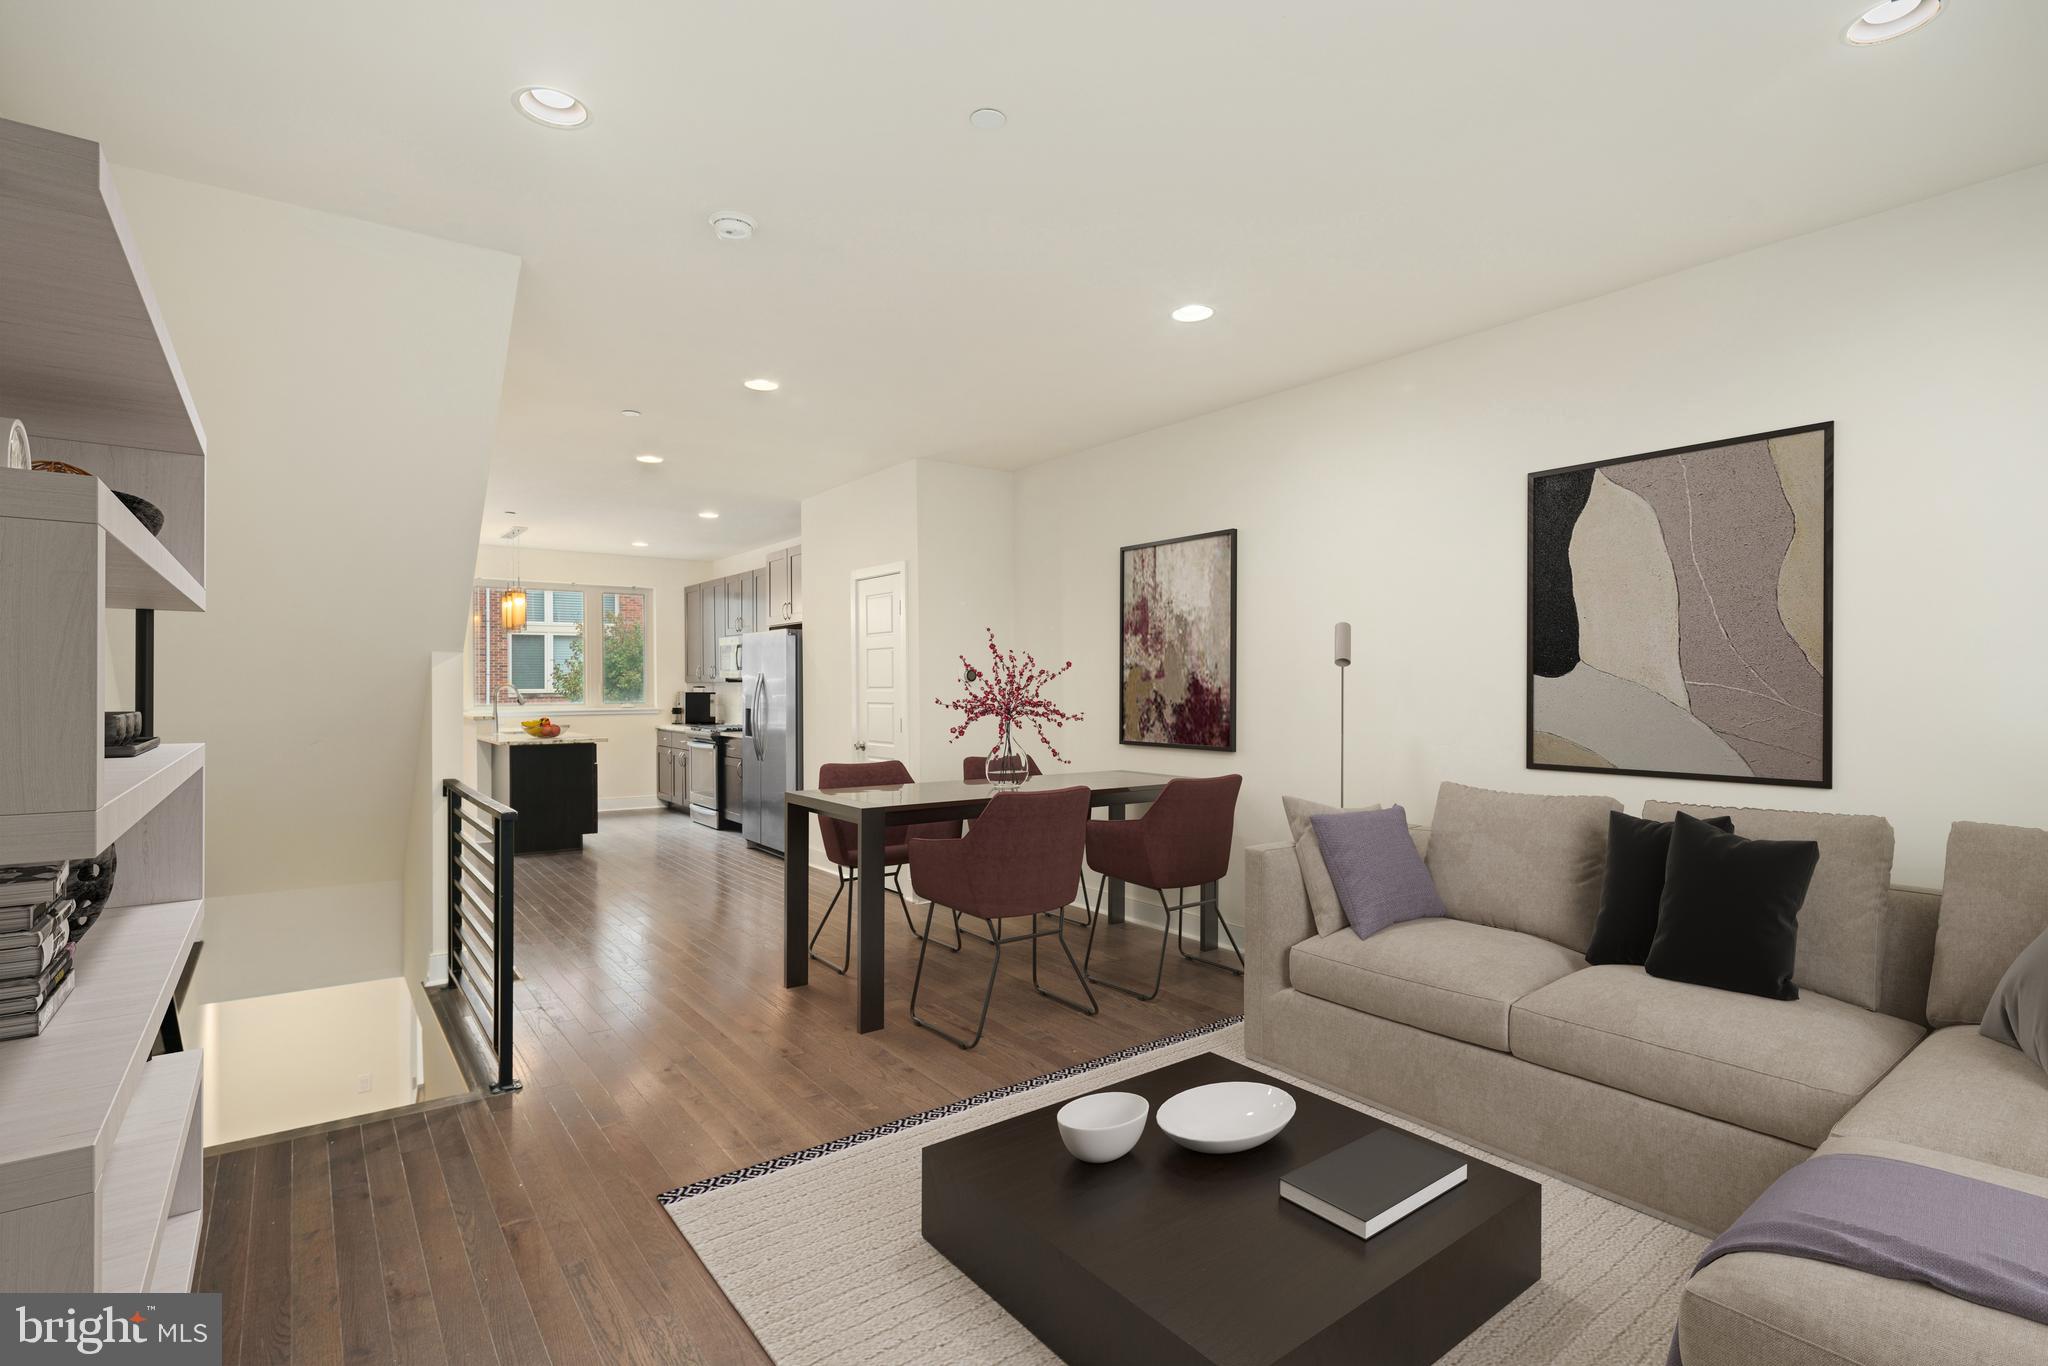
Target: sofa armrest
[(1278, 916)]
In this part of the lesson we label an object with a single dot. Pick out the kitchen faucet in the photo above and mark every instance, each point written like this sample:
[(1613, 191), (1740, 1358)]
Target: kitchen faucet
[(497, 694)]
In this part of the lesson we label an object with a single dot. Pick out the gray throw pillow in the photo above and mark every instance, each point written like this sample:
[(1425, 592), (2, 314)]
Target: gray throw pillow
[(2019, 1007), (1380, 879), (1315, 878)]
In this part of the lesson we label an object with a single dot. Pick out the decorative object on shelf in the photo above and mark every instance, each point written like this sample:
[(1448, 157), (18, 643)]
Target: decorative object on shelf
[(1226, 1116), (1012, 692), (25, 888), (149, 514), (125, 739), (1104, 1126), (1343, 661), (18, 457), (1681, 612), (1177, 664), (89, 887)]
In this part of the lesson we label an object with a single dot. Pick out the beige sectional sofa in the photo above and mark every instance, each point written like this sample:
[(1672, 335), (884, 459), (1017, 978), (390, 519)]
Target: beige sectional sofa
[(1683, 1100)]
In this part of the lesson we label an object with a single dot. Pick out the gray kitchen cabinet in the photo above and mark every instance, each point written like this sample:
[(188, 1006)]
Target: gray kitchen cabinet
[(694, 658), (757, 599), (707, 632), (785, 587)]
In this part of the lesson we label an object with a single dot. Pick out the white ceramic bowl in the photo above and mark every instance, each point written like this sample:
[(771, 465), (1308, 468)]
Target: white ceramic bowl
[(1104, 1126), (1226, 1116)]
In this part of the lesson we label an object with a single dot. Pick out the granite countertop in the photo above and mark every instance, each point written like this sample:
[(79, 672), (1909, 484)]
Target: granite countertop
[(522, 738)]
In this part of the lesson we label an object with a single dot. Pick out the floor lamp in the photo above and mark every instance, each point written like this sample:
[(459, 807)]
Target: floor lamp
[(1343, 658)]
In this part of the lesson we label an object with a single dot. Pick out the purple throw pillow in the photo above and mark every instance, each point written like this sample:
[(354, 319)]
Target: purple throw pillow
[(1380, 879)]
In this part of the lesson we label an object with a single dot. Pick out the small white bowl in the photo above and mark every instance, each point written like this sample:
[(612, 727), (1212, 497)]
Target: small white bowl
[(1226, 1116), (1104, 1126)]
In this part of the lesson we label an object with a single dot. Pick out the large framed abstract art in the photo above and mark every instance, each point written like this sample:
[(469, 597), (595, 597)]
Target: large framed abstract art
[(1177, 643), (1681, 611)]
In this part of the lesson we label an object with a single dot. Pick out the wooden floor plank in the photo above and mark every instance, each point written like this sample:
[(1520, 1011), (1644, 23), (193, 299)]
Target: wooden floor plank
[(657, 1046), (316, 1287), (266, 1338), (359, 1271)]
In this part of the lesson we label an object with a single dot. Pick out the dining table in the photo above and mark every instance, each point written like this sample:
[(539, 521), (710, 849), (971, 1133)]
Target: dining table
[(873, 810)]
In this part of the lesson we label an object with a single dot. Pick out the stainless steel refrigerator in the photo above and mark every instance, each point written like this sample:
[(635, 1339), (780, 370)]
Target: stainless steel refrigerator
[(771, 732)]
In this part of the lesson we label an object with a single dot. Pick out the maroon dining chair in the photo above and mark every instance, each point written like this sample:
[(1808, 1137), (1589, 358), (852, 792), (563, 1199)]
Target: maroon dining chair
[(974, 768), (1182, 841), (1019, 859), (842, 847)]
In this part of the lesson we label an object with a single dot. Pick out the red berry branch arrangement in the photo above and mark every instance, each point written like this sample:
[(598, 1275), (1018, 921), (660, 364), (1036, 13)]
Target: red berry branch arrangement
[(1011, 690)]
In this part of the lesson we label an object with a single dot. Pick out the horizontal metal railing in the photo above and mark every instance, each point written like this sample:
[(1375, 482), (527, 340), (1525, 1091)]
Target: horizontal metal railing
[(483, 836)]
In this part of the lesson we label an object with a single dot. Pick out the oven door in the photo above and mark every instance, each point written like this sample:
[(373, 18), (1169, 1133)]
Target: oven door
[(704, 780)]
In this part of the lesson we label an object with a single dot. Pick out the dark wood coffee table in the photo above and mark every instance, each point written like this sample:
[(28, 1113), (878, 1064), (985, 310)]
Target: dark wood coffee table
[(1168, 1255)]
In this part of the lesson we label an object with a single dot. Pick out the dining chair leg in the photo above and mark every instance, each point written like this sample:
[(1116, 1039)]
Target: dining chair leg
[(1181, 938), (841, 966), (1061, 934), (896, 877), (1158, 973), (980, 1025)]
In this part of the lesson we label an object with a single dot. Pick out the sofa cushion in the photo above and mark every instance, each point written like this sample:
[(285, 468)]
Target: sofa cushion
[(1785, 1068), (1315, 877), (1380, 879), (1729, 916), (1994, 902), (1450, 977), (1961, 1093), (2018, 1013), (1632, 886), (1516, 861), (1842, 923)]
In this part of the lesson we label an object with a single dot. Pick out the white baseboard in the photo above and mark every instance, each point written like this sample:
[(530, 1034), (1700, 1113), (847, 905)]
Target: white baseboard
[(650, 802)]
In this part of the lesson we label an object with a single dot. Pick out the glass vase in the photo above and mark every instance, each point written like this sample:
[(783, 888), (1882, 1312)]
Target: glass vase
[(1008, 769)]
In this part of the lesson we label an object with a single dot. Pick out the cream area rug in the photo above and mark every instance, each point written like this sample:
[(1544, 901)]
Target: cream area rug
[(820, 1250)]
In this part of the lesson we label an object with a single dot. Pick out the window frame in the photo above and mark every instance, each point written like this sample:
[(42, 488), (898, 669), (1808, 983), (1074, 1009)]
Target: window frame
[(590, 630)]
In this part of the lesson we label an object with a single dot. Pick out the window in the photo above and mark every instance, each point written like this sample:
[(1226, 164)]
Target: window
[(549, 662)]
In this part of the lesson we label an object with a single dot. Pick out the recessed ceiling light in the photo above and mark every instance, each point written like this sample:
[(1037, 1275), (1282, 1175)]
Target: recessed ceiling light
[(708, 515), (629, 412), (764, 386), (648, 459), (1193, 313), (988, 118), (555, 108), (639, 545), (1891, 19)]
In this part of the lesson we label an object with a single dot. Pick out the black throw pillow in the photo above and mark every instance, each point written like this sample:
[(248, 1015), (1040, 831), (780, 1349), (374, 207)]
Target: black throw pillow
[(1730, 913), (1636, 851)]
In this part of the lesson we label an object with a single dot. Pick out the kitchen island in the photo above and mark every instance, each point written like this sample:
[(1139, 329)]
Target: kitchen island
[(551, 782)]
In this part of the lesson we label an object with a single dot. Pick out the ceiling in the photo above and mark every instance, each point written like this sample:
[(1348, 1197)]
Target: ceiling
[(1342, 182)]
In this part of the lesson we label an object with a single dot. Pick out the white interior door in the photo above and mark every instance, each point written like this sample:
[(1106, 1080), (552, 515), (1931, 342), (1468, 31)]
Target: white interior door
[(881, 667)]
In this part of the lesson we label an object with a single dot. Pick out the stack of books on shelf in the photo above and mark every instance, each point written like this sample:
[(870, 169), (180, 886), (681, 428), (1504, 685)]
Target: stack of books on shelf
[(35, 947)]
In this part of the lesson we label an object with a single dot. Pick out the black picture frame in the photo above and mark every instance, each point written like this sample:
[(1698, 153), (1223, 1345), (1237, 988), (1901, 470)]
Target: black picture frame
[(1123, 665), (1827, 722)]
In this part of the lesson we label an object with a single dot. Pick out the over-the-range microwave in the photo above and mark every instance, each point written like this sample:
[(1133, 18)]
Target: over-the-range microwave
[(729, 658)]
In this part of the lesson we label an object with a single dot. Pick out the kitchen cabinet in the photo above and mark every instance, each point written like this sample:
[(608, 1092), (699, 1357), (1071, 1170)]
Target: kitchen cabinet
[(757, 599), (785, 586), (694, 658)]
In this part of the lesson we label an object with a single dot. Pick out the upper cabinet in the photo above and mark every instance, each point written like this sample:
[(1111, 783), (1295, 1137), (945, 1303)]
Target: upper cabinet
[(756, 600), (786, 586)]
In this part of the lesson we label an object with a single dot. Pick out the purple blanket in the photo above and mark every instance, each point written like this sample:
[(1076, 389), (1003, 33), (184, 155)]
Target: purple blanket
[(1971, 1239)]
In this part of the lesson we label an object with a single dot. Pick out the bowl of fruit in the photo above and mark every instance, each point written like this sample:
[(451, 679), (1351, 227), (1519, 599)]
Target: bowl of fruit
[(540, 728)]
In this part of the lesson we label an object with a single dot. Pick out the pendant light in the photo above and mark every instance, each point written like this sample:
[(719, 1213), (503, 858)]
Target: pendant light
[(512, 601)]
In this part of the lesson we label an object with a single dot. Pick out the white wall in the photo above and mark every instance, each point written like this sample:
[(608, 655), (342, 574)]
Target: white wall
[(965, 549), (348, 376), (869, 522), (625, 761), (1394, 497)]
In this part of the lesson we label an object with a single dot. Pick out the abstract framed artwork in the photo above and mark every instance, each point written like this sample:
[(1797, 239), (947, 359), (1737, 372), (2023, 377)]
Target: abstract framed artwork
[(1177, 643), (1681, 612)]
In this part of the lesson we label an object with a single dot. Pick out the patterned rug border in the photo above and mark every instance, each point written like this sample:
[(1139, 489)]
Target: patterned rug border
[(952, 1107)]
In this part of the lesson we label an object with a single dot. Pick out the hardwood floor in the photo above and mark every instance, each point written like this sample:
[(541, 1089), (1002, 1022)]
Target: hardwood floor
[(657, 1046)]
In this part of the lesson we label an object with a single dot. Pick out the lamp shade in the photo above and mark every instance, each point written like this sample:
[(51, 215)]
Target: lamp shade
[(512, 609), (1343, 644)]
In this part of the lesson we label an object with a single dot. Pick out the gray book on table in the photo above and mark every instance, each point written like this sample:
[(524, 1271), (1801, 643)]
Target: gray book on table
[(1376, 1181)]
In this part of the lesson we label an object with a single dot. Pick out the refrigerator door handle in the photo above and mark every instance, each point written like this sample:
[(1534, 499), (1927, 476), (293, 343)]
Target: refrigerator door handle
[(761, 690)]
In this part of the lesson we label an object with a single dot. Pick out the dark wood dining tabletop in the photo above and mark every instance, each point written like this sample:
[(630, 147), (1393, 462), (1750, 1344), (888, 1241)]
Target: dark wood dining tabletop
[(874, 809)]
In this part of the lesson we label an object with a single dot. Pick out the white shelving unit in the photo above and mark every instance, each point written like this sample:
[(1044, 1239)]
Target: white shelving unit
[(100, 1145)]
